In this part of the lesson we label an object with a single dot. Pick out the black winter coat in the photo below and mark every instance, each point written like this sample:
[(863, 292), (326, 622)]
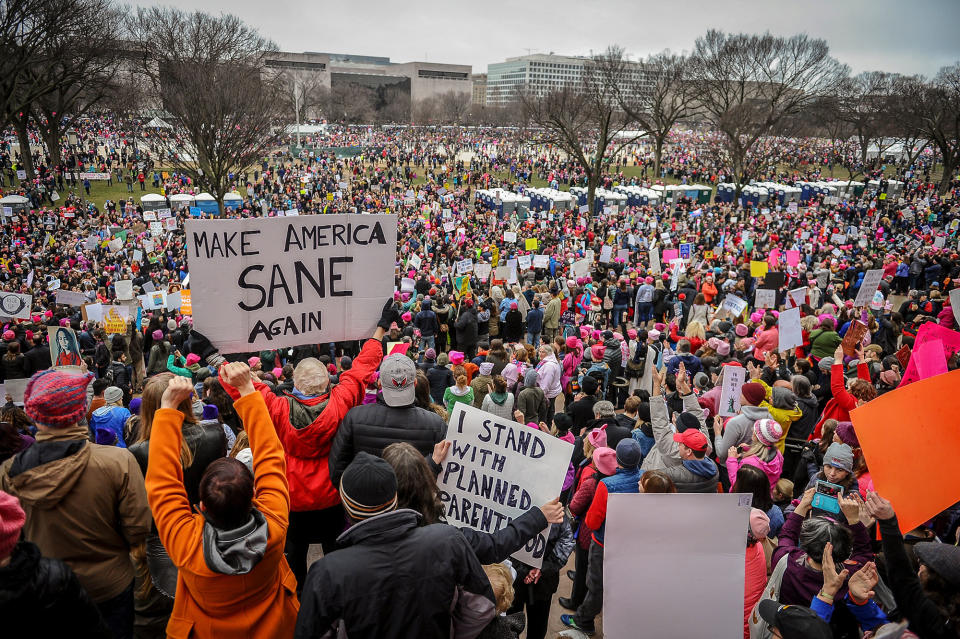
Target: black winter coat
[(207, 443), (373, 427), (41, 597), (440, 378), (37, 359), (466, 326), (392, 578)]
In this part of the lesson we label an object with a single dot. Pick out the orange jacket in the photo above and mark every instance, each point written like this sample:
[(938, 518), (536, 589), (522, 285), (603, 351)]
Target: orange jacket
[(261, 603)]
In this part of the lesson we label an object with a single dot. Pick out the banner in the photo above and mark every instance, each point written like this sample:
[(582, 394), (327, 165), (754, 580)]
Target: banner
[(279, 282), (497, 470), (15, 305), (705, 533)]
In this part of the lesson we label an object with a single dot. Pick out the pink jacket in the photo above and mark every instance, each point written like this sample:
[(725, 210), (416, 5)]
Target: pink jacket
[(771, 469), (767, 340)]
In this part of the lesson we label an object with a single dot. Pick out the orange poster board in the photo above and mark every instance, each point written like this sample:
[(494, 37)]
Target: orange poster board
[(910, 434)]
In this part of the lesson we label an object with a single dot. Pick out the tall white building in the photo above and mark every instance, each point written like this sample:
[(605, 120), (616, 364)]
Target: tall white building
[(542, 73)]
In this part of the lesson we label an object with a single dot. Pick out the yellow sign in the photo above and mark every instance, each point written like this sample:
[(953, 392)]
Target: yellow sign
[(531, 244), (330, 196), (113, 322), (708, 255), (495, 256), (186, 302), (758, 269)]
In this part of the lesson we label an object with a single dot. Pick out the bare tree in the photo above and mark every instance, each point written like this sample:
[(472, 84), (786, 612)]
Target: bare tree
[(655, 94), (351, 103), (905, 118), (583, 119), (454, 106), (936, 107), (220, 97), (746, 85), (303, 94), (863, 102)]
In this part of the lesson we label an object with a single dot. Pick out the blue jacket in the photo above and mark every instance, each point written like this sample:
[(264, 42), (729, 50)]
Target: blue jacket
[(535, 320), (623, 481), (426, 321)]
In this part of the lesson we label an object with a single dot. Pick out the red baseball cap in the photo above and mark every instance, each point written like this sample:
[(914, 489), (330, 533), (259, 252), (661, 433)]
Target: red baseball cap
[(692, 439)]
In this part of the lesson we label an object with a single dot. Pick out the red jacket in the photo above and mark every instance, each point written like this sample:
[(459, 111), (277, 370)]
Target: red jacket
[(842, 402), (307, 448)]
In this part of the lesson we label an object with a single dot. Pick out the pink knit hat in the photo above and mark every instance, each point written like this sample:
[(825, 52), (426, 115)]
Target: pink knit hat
[(759, 524), (605, 459), (12, 519), (597, 438), (597, 351), (741, 330), (253, 361), (456, 358), (768, 431)]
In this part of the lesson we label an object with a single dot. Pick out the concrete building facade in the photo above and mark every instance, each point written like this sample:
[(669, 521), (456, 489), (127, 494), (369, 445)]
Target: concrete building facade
[(479, 89)]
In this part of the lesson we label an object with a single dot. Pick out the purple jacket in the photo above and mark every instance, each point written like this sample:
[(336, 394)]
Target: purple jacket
[(801, 583)]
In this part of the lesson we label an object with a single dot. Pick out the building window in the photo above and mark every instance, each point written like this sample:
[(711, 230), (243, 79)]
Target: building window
[(442, 75), (288, 64)]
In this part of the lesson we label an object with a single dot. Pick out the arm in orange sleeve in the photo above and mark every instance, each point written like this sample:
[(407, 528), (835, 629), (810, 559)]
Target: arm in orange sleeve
[(270, 491), (177, 525), (598, 508)]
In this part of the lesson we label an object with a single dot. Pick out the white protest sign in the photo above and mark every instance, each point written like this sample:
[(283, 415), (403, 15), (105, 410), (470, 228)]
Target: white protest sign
[(509, 236), (94, 312), (765, 298), (163, 214), (541, 261), (496, 471), (414, 261), (91, 242), (170, 224), (734, 377), (955, 304), (709, 527), (173, 301), (448, 227), (156, 229), (655, 260), (588, 254), (115, 244), (464, 266), (15, 305), (408, 285), (16, 388), (871, 281), (798, 296), (580, 268), (734, 305), (71, 298), (623, 255), (278, 282), (606, 254), (148, 287), (791, 333), (524, 261), (53, 284), (153, 300), (124, 289), (502, 273), (482, 271), (149, 216)]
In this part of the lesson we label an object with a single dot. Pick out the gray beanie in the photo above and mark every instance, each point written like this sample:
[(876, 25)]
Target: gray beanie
[(839, 456), (530, 378)]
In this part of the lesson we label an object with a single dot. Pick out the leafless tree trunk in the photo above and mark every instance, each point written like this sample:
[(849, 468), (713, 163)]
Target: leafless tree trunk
[(936, 107)]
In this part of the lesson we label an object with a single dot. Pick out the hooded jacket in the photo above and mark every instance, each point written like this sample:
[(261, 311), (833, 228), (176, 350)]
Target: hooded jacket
[(426, 320), (694, 475), (440, 378), (738, 430), (665, 452), (41, 597), (373, 427), (531, 401), (85, 504), (772, 469), (433, 585), (230, 583), (306, 428)]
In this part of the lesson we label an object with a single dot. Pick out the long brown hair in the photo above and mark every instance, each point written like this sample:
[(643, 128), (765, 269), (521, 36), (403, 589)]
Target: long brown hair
[(416, 485), (152, 392)]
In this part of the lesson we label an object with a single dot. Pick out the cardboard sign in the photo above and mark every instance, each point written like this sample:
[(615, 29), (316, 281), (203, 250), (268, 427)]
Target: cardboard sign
[(15, 305), (64, 349), (278, 282), (496, 471), (765, 298), (853, 337), (734, 377), (510, 237), (871, 281), (924, 409), (711, 526), (790, 332), (734, 305), (124, 289), (758, 269), (797, 296), (70, 298)]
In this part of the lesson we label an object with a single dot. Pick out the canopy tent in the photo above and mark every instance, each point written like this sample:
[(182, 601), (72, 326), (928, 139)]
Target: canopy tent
[(16, 204), (157, 123), (181, 200), (207, 203), (153, 202)]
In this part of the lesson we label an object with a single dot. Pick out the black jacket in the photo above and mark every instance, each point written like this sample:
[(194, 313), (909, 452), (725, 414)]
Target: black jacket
[(41, 597), (394, 579), (581, 412), (37, 359), (373, 427), (440, 378), (466, 326), (207, 443)]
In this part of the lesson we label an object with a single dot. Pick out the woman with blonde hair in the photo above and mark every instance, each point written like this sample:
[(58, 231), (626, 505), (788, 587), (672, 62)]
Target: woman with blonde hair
[(762, 452)]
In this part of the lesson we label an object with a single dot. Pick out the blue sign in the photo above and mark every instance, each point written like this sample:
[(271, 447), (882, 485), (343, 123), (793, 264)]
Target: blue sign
[(685, 251), (195, 211)]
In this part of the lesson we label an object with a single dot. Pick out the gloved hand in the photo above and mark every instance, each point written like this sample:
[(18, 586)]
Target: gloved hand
[(389, 315)]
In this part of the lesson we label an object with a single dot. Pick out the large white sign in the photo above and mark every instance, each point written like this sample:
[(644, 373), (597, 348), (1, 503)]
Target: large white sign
[(279, 282), (871, 281), (790, 331), (15, 305), (706, 532), (496, 471), (734, 305), (71, 298), (734, 377)]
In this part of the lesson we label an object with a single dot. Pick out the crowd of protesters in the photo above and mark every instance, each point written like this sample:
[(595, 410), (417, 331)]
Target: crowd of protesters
[(169, 489)]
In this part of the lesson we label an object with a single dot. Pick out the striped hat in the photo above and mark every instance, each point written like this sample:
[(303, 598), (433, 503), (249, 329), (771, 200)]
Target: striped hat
[(56, 399), (368, 487), (768, 431)]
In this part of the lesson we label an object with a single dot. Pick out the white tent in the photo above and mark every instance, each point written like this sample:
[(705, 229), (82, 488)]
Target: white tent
[(157, 123), (15, 204), (153, 201)]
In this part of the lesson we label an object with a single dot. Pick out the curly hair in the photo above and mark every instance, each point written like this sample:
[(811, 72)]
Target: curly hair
[(863, 390)]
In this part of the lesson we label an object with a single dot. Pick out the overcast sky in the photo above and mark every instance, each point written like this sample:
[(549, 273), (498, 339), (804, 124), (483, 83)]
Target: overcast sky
[(905, 36)]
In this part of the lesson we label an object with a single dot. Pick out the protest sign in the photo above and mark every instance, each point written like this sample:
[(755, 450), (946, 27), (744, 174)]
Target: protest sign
[(501, 273), (930, 332), (115, 244), (524, 261), (765, 298), (449, 226), (871, 280), (790, 331), (115, 318), (734, 377), (509, 236), (930, 359), (92, 312), (531, 244), (655, 260), (186, 302), (926, 411), (15, 305), (496, 471), (541, 261), (124, 289), (853, 337), (170, 224), (173, 301), (64, 349), (464, 266), (482, 271), (623, 255), (758, 269), (16, 388), (734, 305), (278, 282), (793, 258), (774, 279), (903, 356), (53, 285), (153, 300), (798, 296), (709, 527), (670, 254), (606, 254), (955, 304), (70, 298), (580, 268)]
